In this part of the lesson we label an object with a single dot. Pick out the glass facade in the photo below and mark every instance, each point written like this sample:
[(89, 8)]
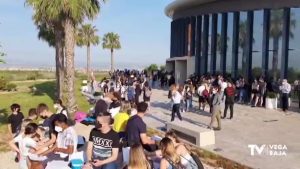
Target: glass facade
[(272, 54)]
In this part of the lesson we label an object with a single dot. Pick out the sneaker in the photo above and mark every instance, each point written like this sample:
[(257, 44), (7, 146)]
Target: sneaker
[(218, 128), (222, 117)]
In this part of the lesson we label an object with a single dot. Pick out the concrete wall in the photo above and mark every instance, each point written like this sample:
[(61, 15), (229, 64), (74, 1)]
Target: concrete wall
[(190, 66), (180, 71), (170, 66)]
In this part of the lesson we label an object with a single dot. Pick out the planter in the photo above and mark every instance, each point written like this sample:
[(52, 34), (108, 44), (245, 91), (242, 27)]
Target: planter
[(271, 103)]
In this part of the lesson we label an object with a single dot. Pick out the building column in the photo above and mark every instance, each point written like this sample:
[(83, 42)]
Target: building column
[(193, 35), (224, 43), (249, 45), (204, 56), (235, 44), (213, 52), (198, 44), (265, 42), (285, 43)]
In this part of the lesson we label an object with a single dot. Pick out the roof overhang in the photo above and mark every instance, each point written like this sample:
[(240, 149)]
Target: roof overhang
[(178, 5)]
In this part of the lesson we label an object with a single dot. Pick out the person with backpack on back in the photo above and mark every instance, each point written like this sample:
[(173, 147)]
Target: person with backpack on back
[(147, 93)]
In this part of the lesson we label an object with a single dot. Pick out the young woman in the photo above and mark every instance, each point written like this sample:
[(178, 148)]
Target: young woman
[(229, 100), (147, 93), (26, 142), (137, 158), (60, 108), (186, 159), (254, 93), (120, 120), (176, 99), (170, 160)]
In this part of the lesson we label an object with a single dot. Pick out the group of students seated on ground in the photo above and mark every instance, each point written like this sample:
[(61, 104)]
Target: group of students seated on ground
[(35, 143), (55, 138)]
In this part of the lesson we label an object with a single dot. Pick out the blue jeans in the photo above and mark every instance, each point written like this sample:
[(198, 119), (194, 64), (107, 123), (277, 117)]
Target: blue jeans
[(242, 95), (112, 165), (189, 104)]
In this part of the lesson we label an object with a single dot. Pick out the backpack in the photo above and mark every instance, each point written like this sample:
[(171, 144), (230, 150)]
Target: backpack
[(147, 92), (205, 93), (197, 161)]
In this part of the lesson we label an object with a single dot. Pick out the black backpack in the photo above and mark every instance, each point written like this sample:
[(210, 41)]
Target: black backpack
[(197, 161)]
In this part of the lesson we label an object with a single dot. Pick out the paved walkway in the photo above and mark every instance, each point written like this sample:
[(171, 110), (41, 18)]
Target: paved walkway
[(249, 126)]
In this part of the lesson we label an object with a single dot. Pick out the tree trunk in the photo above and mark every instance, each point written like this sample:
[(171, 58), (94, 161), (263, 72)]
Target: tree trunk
[(70, 70), (112, 68), (59, 60), (88, 63), (275, 57)]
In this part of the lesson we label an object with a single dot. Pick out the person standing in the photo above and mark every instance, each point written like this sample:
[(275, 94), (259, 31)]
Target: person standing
[(138, 92), (176, 98), (229, 100), (147, 93), (285, 89), (103, 146), (216, 107), (15, 119)]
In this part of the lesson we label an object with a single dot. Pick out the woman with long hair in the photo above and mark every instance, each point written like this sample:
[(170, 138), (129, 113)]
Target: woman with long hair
[(120, 119), (186, 159), (176, 99), (137, 158), (170, 160)]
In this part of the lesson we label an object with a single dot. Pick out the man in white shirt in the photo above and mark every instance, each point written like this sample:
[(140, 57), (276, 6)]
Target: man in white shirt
[(176, 98), (285, 88)]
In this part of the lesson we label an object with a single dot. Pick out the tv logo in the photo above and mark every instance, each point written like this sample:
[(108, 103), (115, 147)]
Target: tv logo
[(258, 149), (271, 150)]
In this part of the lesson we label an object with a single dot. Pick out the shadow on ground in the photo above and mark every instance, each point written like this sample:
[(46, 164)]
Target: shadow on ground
[(45, 88)]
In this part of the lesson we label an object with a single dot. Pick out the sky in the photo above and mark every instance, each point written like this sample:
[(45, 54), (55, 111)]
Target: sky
[(143, 27)]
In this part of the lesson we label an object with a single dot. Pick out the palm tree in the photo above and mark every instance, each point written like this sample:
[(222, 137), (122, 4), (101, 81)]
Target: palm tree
[(111, 41), (243, 42), (87, 37), (2, 55), (68, 14), (276, 33), (55, 38)]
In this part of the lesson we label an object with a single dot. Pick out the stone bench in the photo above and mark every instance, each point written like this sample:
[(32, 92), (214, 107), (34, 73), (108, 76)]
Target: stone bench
[(195, 134)]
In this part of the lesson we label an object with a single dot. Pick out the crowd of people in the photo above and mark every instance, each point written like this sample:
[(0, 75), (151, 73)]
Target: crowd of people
[(219, 93), (118, 120)]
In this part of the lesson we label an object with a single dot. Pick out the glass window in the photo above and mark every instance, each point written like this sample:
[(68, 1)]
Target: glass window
[(229, 44), (242, 44), (209, 44), (218, 59), (275, 43), (257, 44), (294, 53)]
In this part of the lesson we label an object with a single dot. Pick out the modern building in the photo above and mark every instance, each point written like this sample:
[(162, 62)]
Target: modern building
[(245, 38)]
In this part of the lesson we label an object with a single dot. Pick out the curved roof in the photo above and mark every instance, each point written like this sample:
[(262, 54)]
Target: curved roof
[(183, 4)]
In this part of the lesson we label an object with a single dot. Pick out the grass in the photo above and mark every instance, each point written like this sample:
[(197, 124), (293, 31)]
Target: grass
[(27, 99)]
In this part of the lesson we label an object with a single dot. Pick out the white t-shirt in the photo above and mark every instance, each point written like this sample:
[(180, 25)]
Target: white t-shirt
[(177, 98), (200, 90), (25, 144), (223, 86), (66, 138)]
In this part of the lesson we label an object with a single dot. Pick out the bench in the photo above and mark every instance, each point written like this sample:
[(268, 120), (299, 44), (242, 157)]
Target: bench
[(195, 134)]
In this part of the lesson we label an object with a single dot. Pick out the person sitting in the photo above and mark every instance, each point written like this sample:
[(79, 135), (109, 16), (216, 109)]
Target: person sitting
[(60, 108), (26, 142), (103, 146), (66, 143), (136, 129), (120, 120), (137, 158), (170, 160), (185, 157)]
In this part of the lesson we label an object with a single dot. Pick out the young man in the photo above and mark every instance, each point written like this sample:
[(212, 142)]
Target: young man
[(49, 117), (66, 142), (103, 146), (15, 119), (136, 129)]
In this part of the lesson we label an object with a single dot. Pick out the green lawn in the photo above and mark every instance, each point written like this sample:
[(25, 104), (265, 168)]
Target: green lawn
[(27, 99)]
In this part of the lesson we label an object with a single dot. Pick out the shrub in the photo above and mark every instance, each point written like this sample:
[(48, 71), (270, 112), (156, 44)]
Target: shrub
[(3, 83), (11, 87), (271, 95)]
